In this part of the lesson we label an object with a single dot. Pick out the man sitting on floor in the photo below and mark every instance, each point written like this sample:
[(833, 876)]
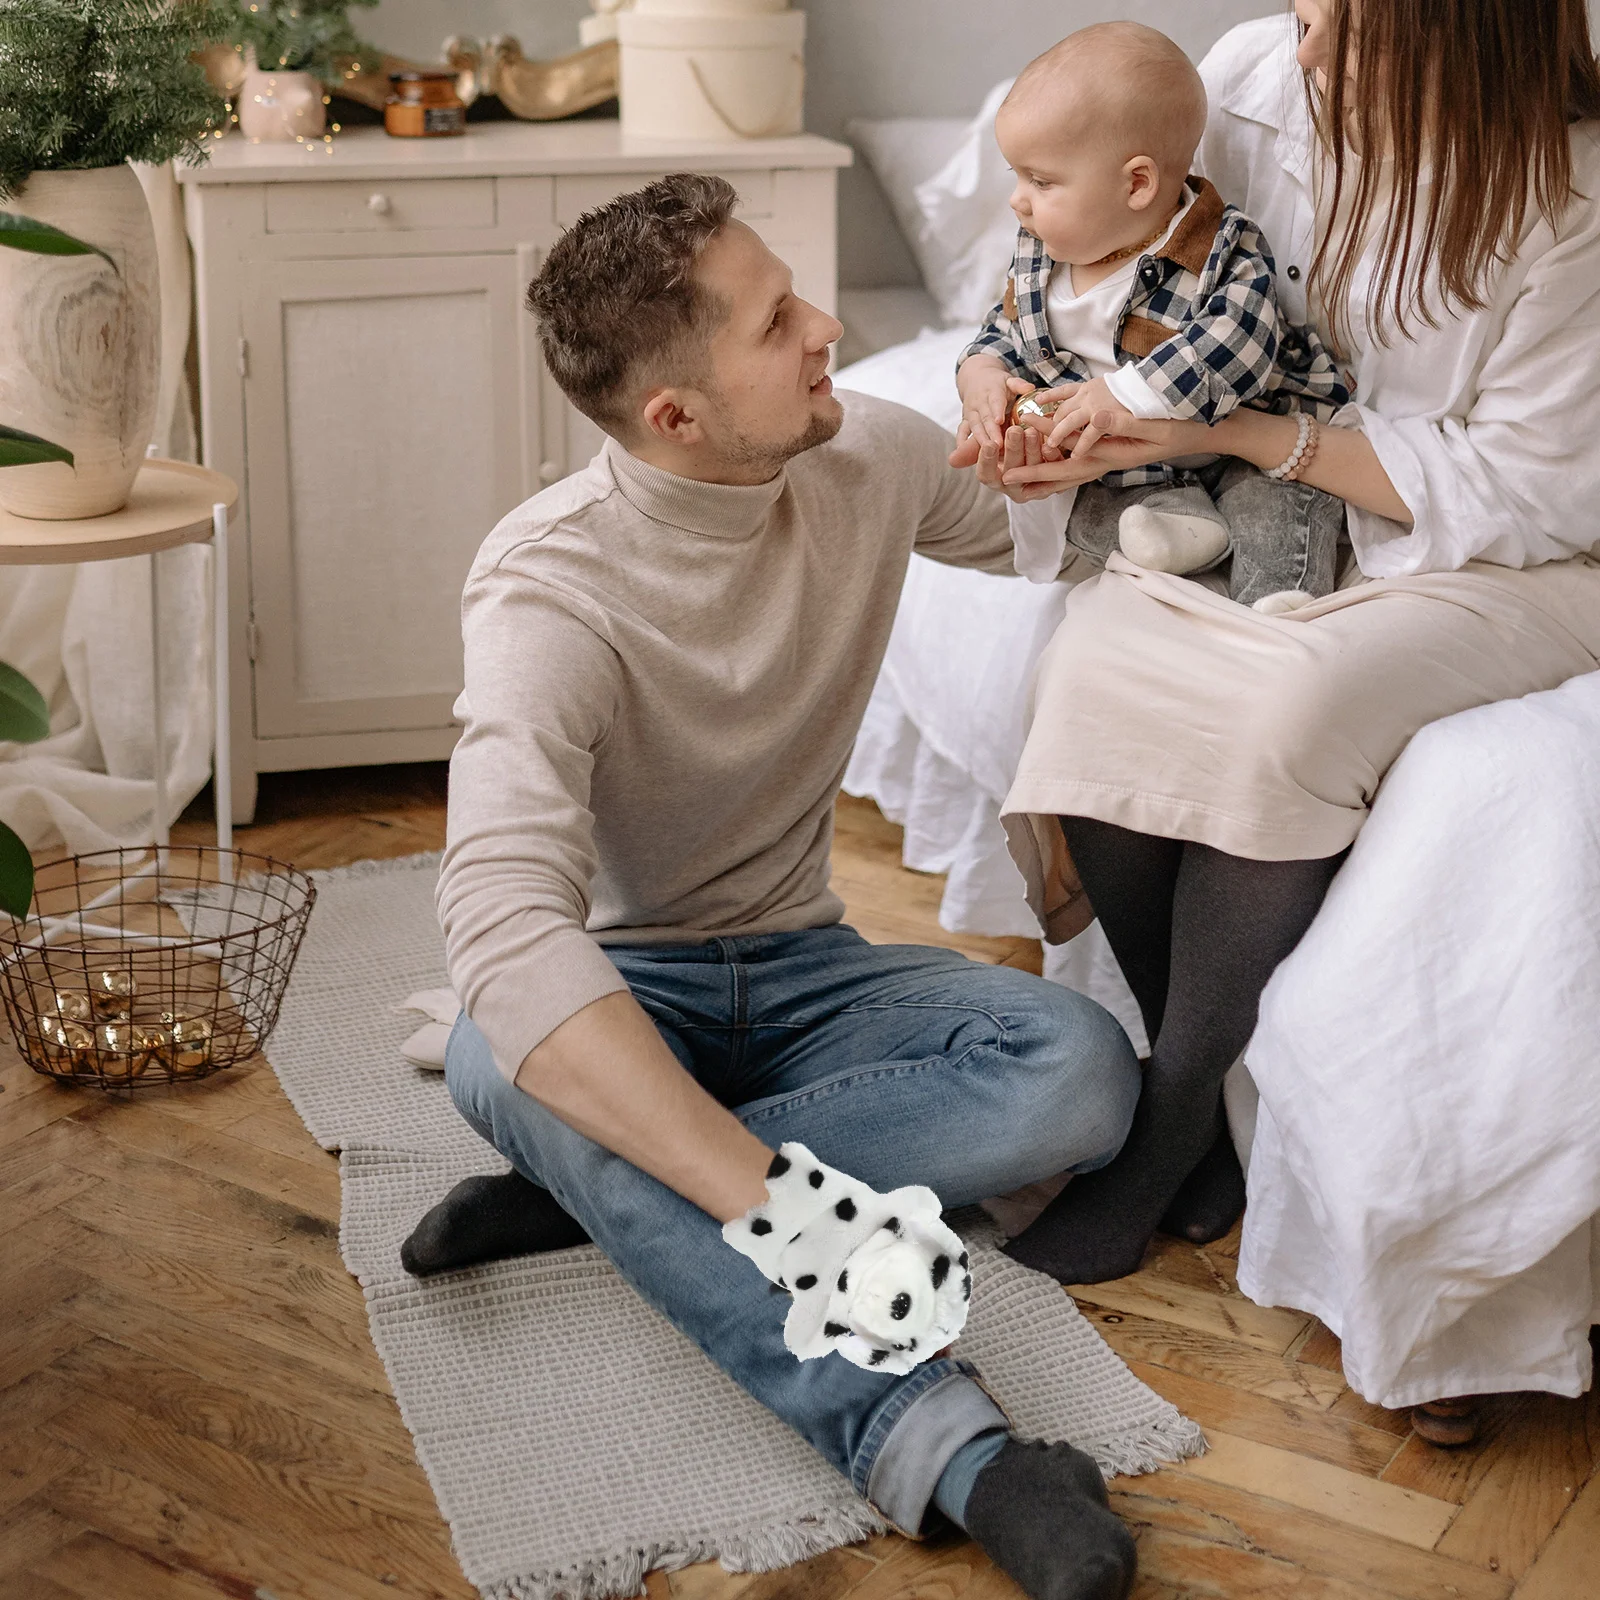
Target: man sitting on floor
[(668, 655)]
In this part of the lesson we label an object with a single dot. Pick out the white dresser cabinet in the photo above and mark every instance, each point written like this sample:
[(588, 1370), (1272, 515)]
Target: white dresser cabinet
[(369, 377)]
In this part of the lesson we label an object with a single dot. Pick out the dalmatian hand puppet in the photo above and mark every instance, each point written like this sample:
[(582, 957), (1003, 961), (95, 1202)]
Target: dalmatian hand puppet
[(877, 1277)]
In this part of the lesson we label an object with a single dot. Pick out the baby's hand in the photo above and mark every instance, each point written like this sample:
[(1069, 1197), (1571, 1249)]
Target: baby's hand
[(1089, 410), (987, 388)]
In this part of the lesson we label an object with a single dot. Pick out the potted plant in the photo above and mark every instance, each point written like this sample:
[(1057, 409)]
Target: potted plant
[(24, 718), (294, 51), (86, 86)]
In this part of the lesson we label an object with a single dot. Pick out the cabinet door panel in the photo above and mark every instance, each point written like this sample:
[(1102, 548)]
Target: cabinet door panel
[(384, 421)]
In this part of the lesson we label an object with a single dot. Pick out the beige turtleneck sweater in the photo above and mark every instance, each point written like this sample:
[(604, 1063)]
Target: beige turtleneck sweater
[(663, 682)]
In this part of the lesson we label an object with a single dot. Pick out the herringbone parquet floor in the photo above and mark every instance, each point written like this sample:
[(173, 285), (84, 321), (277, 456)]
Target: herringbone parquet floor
[(190, 1406)]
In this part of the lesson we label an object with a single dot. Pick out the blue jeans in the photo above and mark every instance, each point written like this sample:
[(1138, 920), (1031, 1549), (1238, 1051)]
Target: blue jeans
[(1282, 535), (898, 1064)]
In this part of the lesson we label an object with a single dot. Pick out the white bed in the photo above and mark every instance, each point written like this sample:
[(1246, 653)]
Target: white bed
[(1425, 1178)]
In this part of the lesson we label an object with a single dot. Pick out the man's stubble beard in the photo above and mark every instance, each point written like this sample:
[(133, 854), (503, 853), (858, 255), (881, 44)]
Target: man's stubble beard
[(738, 449)]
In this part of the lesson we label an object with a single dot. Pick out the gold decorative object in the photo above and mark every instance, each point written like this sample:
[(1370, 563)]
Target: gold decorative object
[(127, 1048), (536, 91), (112, 993), (543, 91), (73, 1004), (189, 1039), (1027, 411), (65, 1042)]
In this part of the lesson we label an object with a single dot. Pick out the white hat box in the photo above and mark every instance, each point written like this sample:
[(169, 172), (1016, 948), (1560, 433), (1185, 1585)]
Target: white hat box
[(722, 70)]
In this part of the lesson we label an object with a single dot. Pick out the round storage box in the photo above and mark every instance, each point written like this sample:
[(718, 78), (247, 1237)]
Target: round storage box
[(731, 76)]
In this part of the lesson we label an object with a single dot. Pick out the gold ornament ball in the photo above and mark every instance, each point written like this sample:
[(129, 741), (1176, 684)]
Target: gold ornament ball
[(191, 1040), (1028, 411), (65, 1042), (113, 992), (73, 1004), (126, 1049)]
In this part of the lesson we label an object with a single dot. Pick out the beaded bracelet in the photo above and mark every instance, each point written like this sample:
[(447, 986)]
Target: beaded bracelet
[(1289, 469), (1311, 449)]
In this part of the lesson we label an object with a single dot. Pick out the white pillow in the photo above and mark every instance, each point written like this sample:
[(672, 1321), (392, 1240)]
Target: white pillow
[(965, 232), (902, 153)]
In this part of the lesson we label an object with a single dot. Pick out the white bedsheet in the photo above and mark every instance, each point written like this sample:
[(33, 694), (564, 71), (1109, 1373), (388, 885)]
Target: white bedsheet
[(1426, 1165), (943, 734), (1426, 1172)]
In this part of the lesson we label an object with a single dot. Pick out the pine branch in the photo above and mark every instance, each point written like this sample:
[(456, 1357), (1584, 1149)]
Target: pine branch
[(312, 36), (94, 83)]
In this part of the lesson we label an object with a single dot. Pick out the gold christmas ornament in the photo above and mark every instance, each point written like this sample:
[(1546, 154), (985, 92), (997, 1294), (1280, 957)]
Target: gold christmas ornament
[(65, 1042), (113, 993), (126, 1049), (73, 1004), (190, 1040), (1028, 411)]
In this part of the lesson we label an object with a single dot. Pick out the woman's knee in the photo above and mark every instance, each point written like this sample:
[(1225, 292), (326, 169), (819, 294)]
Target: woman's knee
[(1290, 718)]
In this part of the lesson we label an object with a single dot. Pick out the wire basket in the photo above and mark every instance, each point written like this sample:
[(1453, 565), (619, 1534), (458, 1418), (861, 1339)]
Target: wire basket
[(143, 966)]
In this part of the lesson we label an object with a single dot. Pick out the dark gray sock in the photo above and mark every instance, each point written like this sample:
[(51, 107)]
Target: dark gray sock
[(1233, 920), (1039, 1512), (1211, 1198), (488, 1219)]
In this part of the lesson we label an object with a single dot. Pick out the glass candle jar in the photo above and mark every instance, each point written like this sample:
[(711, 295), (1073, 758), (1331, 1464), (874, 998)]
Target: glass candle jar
[(423, 105)]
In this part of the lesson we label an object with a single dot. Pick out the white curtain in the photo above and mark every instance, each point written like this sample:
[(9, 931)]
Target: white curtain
[(82, 634)]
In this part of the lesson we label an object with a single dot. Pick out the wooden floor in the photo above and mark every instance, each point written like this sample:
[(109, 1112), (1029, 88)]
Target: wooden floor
[(190, 1404)]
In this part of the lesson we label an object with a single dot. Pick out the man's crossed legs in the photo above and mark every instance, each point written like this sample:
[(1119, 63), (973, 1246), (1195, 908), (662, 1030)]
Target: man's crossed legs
[(899, 1065)]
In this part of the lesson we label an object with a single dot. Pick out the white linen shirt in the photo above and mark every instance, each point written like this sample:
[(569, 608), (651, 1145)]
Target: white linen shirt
[(1488, 425)]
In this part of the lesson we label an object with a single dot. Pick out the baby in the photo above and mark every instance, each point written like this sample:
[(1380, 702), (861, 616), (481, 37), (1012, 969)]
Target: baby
[(1136, 290)]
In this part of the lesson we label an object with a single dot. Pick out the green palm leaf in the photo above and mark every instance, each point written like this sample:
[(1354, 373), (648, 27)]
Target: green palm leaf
[(24, 233), (24, 716), (16, 874), (19, 449)]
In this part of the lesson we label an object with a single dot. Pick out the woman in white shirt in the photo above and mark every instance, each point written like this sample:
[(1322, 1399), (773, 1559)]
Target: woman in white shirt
[(1207, 766)]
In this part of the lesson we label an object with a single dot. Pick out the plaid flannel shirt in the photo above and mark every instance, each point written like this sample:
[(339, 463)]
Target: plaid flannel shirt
[(1202, 324)]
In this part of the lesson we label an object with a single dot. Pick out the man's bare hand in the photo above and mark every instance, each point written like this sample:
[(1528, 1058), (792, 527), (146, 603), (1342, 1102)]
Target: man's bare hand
[(1025, 450)]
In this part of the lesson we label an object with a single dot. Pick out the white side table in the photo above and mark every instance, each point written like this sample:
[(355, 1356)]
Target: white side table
[(172, 503)]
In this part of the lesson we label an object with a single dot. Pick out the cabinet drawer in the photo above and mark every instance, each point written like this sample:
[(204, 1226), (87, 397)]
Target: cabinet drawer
[(381, 206)]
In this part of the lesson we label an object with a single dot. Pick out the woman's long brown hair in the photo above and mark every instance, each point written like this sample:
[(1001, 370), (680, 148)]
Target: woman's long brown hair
[(1477, 94)]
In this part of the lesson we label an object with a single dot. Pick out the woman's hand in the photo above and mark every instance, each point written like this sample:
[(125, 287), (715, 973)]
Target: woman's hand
[(1137, 443)]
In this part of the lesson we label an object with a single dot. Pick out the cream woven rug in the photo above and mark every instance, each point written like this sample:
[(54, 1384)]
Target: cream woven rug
[(574, 1439)]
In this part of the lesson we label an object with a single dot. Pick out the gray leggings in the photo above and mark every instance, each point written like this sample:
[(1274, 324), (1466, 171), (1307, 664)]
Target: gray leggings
[(1281, 535)]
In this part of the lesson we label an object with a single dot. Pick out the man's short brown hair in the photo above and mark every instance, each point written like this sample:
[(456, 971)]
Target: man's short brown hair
[(617, 296)]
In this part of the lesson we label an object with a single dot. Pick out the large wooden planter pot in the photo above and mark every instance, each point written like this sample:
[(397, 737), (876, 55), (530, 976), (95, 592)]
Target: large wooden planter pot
[(80, 343)]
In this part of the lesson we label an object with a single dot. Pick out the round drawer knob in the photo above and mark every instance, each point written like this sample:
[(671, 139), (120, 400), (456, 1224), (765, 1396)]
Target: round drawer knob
[(549, 471), (378, 203)]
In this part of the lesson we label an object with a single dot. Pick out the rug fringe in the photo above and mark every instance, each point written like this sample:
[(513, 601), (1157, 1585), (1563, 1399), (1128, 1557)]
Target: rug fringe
[(1148, 1447), (768, 1549), (763, 1550)]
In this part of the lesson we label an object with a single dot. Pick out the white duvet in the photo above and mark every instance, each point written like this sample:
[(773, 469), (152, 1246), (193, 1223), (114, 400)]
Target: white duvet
[(1426, 1169)]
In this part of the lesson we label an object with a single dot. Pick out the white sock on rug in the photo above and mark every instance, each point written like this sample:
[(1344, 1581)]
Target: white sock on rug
[(876, 1277)]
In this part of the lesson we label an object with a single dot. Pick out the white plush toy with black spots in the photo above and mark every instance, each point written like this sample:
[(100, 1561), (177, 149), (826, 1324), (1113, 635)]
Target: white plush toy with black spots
[(876, 1277)]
